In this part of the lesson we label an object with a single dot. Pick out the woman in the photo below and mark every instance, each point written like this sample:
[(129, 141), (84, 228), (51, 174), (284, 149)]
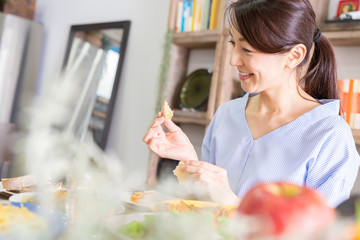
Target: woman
[(287, 127)]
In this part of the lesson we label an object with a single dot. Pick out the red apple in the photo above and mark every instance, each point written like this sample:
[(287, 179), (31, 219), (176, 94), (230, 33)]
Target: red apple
[(287, 208)]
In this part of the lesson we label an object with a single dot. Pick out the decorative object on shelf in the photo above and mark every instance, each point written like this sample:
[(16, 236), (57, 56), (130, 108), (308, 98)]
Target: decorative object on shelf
[(346, 6), (195, 90), (354, 15), (21, 8), (164, 69), (94, 58)]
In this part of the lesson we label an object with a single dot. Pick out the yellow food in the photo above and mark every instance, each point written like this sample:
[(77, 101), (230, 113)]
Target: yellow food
[(12, 217), (218, 209), (166, 111), (136, 197)]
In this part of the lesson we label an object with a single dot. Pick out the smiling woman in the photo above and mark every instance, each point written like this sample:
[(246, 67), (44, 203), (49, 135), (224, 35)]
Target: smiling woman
[(287, 67)]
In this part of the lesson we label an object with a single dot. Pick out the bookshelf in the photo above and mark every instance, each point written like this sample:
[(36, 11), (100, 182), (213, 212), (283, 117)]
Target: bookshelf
[(183, 44), (340, 33)]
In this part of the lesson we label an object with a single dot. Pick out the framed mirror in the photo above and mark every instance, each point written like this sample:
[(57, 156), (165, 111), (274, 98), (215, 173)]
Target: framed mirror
[(94, 58)]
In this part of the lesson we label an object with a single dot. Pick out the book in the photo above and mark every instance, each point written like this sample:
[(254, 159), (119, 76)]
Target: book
[(193, 15), (179, 16), (214, 14), (205, 15), (197, 14), (183, 15), (350, 101), (189, 16)]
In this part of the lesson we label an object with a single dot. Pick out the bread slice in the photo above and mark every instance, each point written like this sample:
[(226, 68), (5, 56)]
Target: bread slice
[(18, 182), (180, 174), (166, 111)]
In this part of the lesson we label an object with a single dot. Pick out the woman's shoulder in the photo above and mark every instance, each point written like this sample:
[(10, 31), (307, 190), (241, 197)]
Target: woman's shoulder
[(234, 104), (337, 127)]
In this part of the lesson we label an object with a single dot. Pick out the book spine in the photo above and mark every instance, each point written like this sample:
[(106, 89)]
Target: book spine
[(189, 16), (199, 7), (353, 115), (185, 2), (356, 124), (214, 14), (205, 13), (179, 16), (208, 15), (349, 102), (193, 15)]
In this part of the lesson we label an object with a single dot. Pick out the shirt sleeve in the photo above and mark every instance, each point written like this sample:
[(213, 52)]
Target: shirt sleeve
[(208, 147), (334, 169)]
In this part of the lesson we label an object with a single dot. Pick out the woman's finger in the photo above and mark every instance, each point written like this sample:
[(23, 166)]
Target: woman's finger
[(204, 165), (154, 129), (171, 125)]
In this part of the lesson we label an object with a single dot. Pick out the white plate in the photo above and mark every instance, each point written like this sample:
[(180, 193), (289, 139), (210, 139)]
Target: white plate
[(21, 197), (149, 198)]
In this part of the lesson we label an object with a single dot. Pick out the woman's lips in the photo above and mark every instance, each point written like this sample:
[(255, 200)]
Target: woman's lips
[(245, 76)]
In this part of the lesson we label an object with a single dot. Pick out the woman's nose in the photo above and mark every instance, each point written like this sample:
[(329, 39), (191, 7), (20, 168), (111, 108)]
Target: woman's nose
[(235, 58)]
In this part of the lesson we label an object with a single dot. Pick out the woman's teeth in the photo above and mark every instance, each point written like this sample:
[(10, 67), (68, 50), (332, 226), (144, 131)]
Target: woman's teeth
[(245, 74)]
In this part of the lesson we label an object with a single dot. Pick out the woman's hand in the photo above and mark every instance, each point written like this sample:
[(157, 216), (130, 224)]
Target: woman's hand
[(214, 179), (174, 144)]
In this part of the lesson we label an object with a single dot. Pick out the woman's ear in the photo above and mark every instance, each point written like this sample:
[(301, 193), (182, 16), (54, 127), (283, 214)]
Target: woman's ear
[(296, 56)]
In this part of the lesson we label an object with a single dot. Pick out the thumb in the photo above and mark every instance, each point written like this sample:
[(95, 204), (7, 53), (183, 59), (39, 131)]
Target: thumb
[(171, 125)]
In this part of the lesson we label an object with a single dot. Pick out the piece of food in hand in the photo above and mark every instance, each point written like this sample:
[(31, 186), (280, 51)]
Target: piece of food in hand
[(18, 182), (181, 175), (287, 208), (166, 111)]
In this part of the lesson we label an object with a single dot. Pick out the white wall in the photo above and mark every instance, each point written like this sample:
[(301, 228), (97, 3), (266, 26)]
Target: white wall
[(348, 61), (134, 109)]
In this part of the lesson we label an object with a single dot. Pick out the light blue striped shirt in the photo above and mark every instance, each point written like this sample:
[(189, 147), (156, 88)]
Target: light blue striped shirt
[(316, 150)]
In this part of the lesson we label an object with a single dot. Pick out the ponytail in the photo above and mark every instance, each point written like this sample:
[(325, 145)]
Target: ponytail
[(321, 81)]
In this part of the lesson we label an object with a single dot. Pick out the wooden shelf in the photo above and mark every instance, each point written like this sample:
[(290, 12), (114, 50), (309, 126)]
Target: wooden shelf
[(340, 33), (199, 39), (184, 116), (344, 38)]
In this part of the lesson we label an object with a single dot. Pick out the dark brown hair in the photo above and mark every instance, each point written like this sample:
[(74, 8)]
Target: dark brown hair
[(276, 26)]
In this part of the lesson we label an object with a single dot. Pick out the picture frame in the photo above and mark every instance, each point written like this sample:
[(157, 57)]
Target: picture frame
[(347, 6)]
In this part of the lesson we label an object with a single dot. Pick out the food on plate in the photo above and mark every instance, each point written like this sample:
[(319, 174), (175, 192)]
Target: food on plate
[(286, 208), (12, 217), (187, 206), (144, 197), (166, 111), (136, 197), (17, 183), (181, 175)]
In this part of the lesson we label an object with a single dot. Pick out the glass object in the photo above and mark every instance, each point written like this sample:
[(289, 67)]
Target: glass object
[(94, 57)]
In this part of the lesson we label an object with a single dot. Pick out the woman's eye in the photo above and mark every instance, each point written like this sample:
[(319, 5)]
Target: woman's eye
[(232, 42), (246, 50)]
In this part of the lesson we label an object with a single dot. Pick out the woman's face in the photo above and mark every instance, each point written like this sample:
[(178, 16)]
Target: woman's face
[(257, 71)]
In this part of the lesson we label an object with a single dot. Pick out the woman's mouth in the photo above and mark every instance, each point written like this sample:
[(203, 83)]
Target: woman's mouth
[(245, 76)]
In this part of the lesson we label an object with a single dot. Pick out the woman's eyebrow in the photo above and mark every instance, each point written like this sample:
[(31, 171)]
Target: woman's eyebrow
[(241, 39)]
